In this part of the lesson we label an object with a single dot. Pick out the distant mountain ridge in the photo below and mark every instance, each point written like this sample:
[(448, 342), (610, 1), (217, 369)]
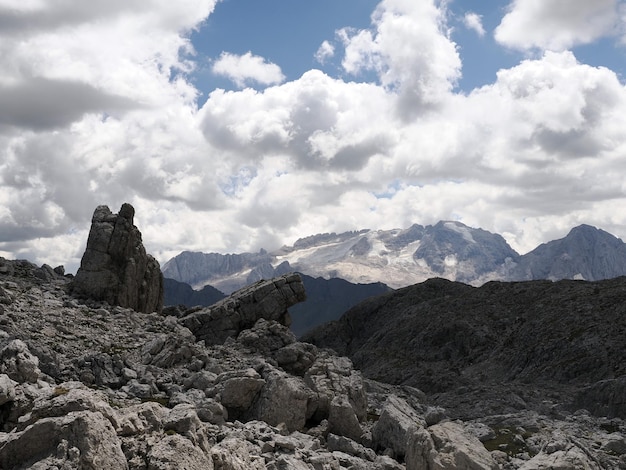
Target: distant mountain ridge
[(403, 257)]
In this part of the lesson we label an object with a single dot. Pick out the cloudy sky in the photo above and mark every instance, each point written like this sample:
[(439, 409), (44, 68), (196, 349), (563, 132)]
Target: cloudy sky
[(239, 124)]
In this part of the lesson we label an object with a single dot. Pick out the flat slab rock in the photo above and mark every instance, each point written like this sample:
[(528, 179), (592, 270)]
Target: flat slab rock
[(267, 299)]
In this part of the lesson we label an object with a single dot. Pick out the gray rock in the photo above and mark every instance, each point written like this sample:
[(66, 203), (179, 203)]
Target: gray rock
[(604, 398), (84, 438), (347, 445), (70, 397), (176, 452), (330, 376), (342, 419), (237, 454), (265, 299), (453, 448), (239, 389), (143, 418), (115, 267), (567, 459), (284, 400), (396, 424), (7, 389), (276, 341), (18, 363)]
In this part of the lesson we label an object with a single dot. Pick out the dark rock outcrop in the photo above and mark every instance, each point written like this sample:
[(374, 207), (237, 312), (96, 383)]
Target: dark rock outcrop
[(265, 299), (115, 267), (444, 337)]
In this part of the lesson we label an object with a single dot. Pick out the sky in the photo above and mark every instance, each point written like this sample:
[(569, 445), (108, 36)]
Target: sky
[(237, 125)]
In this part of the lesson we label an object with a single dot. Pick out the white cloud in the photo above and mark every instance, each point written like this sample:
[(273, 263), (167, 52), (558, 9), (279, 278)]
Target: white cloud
[(539, 150), (410, 51), (324, 52), (243, 69), (557, 24), (474, 22)]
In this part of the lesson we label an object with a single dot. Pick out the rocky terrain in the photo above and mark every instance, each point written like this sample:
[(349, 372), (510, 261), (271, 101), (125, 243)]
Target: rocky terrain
[(403, 257), (535, 348), (85, 384)]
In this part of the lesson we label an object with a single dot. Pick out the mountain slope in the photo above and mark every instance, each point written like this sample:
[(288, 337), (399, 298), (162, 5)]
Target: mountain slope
[(327, 300), (179, 293), (443, 336)]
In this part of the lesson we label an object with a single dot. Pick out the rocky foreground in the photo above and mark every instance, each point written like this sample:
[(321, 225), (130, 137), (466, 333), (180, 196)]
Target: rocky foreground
[(88, 385)]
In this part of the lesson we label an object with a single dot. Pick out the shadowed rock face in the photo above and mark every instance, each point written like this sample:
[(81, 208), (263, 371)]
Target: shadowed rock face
[(115, 266)]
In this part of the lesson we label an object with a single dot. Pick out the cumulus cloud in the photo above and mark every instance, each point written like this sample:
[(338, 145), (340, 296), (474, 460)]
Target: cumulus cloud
[(247, 68), (530, 155), (474, 22), (324, 52), (557, 24), (409, 49)]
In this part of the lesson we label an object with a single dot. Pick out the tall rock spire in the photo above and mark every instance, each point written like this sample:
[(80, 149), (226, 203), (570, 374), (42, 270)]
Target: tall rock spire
[(115, 266)]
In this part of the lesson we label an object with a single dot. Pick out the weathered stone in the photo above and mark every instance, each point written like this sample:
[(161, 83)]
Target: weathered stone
[(141, 419), (265, 299), (276, 341), (569, 459), (87, 439), (395, 426), (454, 448), (342, 420), (604, 398), (115, 267), (70, 397), (18, 363), (237, 454), (177, 452), (347, 445), (7, 389), (330, 376), (284, 399), (239, 389)]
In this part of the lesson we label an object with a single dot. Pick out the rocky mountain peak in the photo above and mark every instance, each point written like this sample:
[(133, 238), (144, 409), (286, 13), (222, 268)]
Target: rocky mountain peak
[(586, 253), (115, 266)]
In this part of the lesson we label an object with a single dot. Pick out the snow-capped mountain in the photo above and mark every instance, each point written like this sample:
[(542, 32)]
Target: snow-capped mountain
[(396, 257), (403, 257)]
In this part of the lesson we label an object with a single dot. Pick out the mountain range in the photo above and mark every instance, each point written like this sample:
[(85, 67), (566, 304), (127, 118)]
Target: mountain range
[(403, 257)]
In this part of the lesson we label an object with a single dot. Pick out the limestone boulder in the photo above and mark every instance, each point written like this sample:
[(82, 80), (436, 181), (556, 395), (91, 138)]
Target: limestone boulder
[(284, 399), (330, 376), (7, 389), (18, 362), (394, 427), (115, 267), (268, 299), (175, 451), (82, 439), (450, 447)]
